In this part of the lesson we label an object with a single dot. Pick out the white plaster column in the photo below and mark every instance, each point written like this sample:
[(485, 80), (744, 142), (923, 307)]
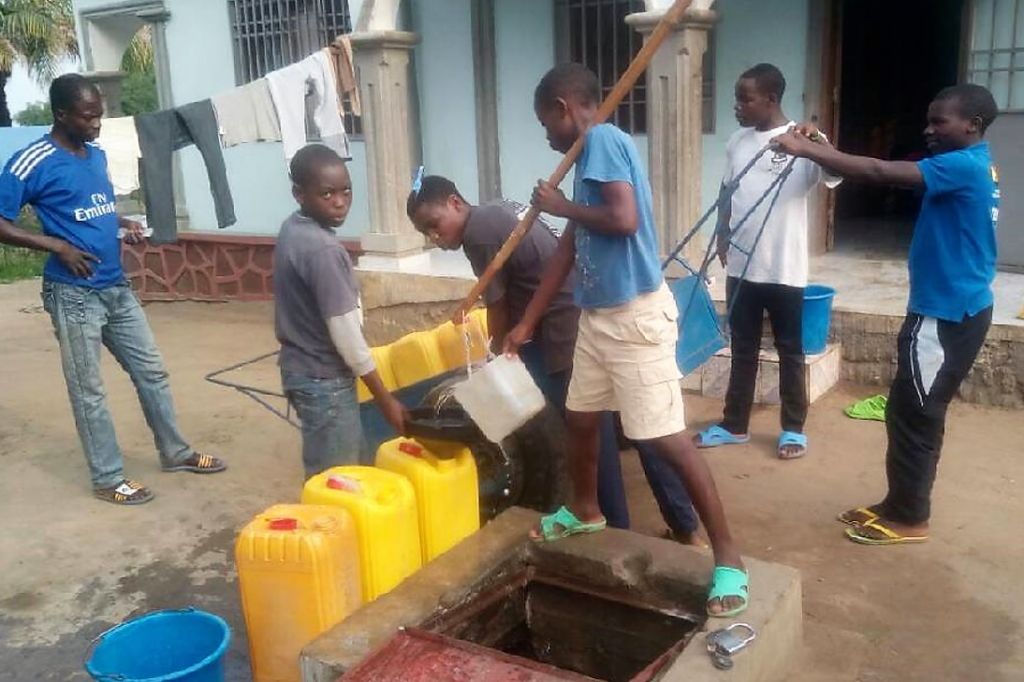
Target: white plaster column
[(675, 124), (382, 63)]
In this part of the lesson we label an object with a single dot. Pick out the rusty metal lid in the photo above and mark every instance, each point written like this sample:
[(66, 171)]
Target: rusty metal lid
[(418, 656)]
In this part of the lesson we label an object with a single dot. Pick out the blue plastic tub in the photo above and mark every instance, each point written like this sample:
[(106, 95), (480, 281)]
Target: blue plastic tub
[(163, 646), (817, 317)]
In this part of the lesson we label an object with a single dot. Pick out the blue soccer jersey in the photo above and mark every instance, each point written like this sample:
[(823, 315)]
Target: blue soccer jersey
[(74, 200)]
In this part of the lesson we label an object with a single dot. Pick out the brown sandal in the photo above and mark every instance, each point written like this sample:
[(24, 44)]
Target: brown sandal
[(125, 493), (199, 463)]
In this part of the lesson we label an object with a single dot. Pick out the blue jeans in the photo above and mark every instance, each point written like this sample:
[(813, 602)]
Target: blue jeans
[(669, 492), (85, 320), (332, 434)]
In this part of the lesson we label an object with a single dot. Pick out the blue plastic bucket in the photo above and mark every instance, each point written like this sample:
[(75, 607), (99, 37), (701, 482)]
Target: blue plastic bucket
[(817, 317), (163, 646)]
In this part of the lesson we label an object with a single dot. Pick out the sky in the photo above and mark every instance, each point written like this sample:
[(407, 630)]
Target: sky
[(23, 90)]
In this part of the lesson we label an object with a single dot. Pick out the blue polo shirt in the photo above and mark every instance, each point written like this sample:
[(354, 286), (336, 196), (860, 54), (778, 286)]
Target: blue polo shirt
[(74, 200), (953, 252), (614, 270)]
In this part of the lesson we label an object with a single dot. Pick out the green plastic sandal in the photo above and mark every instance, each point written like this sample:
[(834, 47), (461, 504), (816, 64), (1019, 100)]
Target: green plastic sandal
[(872, 408), (564, 523), (727, 581)]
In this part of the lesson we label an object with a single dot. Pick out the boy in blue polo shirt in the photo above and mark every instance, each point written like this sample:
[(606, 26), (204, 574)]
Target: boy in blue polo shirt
[(625, 355), (952, 265)]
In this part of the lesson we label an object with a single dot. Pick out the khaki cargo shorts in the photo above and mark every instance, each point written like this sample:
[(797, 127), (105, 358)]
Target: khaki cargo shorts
[(625, 361)]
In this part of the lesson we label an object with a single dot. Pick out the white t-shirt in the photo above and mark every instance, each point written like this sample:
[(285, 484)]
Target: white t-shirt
[(781, 254)]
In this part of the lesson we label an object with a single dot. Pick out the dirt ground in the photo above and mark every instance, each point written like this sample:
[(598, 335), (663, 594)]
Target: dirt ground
[(946, 611)]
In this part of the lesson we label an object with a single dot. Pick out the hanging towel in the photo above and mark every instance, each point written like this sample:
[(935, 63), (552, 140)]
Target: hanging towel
[(120, 142), (288, 88), (346, 71), (161, 133), (246, 114)]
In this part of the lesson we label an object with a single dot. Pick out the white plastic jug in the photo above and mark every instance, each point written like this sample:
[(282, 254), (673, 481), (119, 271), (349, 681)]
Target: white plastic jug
[(500, 397)]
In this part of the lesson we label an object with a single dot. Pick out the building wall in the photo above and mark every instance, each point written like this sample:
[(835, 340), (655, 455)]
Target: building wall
[(202, 64), (447, 94)]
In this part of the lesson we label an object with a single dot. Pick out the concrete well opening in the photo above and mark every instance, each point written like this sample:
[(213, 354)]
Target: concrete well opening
[(603, 633)]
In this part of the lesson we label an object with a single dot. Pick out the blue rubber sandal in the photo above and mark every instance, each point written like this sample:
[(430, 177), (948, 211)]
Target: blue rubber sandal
[(727, 581), (564, 523), (792, 438), (713, 436)]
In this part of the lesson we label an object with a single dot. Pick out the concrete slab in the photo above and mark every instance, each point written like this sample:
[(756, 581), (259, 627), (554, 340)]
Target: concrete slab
[(880, 286), (821, 374)]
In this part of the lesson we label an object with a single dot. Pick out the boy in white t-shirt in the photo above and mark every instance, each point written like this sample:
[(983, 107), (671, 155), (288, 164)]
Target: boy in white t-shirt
[(775, 278)]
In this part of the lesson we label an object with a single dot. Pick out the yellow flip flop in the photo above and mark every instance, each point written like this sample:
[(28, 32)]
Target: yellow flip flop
[(890, 537)]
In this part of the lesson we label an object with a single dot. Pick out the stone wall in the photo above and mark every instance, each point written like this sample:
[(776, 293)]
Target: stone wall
[(203, 266), (869, 357)]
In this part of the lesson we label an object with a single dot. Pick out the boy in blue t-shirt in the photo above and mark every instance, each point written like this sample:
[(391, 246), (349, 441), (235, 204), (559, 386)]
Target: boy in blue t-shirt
[(624, 358), (63, 176), (952, 265)]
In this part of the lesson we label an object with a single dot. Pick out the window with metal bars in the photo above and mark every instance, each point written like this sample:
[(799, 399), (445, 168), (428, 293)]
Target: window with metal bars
[(996, 57), (271, 34), (595, 34)]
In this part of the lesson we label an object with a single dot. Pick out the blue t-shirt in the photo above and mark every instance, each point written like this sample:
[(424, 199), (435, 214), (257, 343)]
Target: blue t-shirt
[(74, 200), (953, 252), (614, 270)]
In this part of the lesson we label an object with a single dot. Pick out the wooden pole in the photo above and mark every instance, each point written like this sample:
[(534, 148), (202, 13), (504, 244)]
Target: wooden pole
[(668, 21)]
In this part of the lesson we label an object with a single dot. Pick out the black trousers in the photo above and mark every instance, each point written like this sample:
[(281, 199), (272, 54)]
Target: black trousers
[(785, 306), (935, 357)]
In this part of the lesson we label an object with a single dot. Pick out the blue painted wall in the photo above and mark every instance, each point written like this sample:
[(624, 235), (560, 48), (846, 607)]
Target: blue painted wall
[(447, 91)]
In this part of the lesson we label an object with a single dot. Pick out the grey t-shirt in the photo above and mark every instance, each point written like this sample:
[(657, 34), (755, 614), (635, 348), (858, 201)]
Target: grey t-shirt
[(487, 229), (313, 282)]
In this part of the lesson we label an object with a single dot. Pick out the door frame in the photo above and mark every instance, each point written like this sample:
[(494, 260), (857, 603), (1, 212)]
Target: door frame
[(821, 105)]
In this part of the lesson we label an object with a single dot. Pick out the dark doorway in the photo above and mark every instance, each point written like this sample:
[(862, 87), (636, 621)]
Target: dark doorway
[(895, 55)]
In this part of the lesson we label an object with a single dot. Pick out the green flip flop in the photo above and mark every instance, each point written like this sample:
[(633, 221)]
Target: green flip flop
[(564, 523), (727, 581), (872, 408)]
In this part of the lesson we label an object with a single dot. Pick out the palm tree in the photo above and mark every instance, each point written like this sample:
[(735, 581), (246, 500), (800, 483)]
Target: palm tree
[(38, 34)]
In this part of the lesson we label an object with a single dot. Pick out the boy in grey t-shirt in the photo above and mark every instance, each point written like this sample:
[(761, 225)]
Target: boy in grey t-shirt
[(439, 211), (317, 317)]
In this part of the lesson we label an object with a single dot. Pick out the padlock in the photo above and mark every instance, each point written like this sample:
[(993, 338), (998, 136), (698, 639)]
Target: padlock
[(730, 642), (722, 644)]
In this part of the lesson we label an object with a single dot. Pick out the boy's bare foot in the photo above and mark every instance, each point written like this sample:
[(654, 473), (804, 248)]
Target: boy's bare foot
[(692, 538), (860, 515)]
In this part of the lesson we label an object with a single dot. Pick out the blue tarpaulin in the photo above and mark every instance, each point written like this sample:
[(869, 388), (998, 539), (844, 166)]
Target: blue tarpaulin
[(14, 139)]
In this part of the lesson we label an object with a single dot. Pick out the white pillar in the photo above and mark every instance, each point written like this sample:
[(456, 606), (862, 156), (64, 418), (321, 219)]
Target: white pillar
[(382, 62), (675, 124)]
